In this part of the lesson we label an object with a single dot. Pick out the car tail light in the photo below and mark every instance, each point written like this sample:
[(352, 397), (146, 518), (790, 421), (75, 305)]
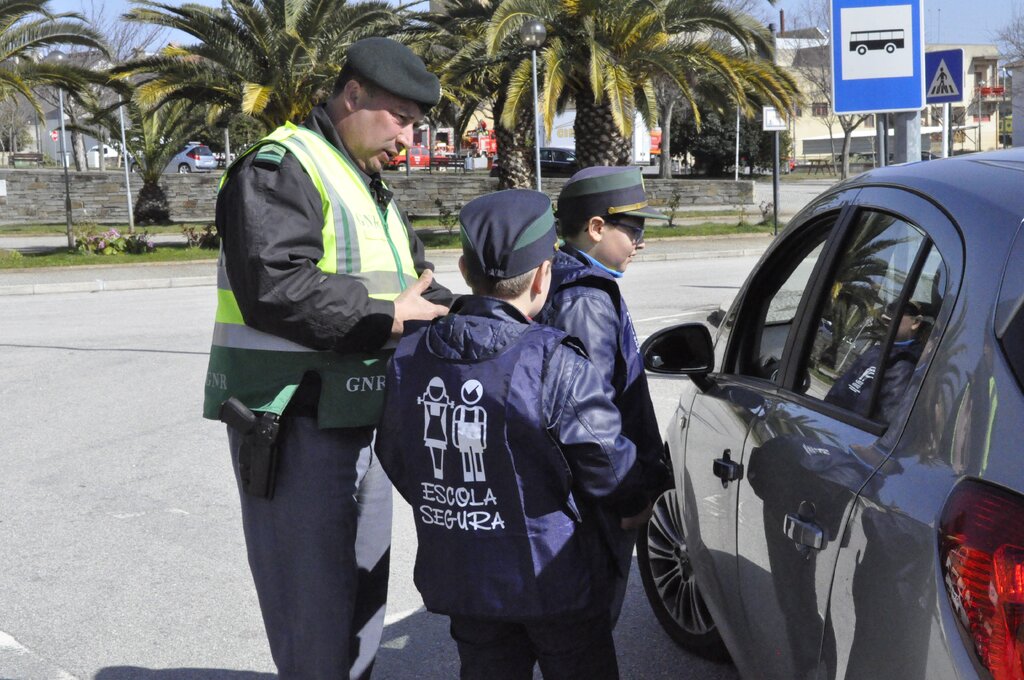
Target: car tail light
[(194, 155), (982, 553)]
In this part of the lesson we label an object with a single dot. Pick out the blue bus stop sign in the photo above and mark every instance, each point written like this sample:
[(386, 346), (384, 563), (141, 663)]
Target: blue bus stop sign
[(877, 56), (944, 77)]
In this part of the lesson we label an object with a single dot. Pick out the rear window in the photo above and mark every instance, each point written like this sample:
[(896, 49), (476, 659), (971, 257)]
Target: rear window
[(202, 150)]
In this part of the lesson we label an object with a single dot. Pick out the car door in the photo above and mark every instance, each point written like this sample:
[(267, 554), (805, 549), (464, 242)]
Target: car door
[(844, 374), (720, 417)]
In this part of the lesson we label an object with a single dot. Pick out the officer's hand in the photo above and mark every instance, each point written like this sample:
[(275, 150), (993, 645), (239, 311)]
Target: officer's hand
[(410, 304), (637, 521)]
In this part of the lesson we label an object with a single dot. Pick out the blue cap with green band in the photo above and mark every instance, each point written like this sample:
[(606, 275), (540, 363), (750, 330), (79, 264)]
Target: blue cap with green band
[(508, 232)]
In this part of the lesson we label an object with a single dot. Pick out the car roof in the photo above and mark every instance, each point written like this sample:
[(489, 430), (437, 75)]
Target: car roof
[(980, 190)]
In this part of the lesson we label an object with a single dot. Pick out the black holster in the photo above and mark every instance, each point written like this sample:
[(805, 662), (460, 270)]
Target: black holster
[(257, 456)]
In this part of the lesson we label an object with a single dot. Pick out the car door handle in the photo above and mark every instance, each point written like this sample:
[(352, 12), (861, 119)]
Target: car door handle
[(804, 531), (726, 469)]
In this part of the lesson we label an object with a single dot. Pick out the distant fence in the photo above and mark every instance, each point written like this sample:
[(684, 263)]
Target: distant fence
[(36, 196)]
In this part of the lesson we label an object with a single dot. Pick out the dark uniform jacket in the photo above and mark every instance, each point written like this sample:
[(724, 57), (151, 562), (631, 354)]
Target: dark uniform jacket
[(585, 302), (270, 219), (501, 438)]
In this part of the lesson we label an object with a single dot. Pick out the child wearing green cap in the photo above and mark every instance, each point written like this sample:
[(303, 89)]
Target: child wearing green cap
[(601, 215), (498, 433)]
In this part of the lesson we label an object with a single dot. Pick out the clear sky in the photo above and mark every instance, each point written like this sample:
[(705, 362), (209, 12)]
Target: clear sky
[(946, 21)]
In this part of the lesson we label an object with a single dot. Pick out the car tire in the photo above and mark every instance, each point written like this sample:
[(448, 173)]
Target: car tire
[(184, 169), (670, 584), (400, 167)]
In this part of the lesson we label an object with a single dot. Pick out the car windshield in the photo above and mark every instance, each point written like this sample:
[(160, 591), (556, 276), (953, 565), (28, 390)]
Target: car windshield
[(203, 150)]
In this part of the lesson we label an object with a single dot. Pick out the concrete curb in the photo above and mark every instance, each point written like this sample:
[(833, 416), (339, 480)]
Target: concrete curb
[(100, 285)]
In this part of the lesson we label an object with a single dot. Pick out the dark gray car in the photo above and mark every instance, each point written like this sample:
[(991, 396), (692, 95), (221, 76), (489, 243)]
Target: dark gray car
[(848, 452)]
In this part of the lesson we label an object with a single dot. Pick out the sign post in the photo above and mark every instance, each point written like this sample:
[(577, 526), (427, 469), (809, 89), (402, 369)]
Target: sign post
[(944, 78), (771, 121)]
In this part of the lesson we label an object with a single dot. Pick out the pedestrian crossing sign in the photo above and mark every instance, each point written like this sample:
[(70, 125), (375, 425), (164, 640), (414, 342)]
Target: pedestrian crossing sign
[(944, 75)]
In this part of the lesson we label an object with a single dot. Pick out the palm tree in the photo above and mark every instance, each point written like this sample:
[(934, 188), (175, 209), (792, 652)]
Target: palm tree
[(27, 30), (605, 56), (273, 60), (454, 44), (159, 134)]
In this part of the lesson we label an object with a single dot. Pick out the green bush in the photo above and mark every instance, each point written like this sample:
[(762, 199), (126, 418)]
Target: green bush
[(206, 238)]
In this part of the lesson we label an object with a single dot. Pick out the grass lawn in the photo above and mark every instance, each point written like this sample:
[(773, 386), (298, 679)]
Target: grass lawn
[(432, 238), (441, 239), (61, 258), (52, 229)]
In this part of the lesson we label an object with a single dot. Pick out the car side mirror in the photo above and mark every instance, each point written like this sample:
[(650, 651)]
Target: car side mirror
[(685, 349)]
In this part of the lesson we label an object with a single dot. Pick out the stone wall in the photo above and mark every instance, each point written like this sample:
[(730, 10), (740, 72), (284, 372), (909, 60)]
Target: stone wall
[(37, 196)]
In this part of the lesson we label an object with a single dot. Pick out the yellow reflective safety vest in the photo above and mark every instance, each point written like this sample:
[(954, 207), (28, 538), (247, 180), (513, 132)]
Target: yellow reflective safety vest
[(262, 370)]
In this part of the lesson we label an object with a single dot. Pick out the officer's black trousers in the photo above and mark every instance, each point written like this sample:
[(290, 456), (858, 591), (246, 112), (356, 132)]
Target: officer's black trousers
[(319, 551), (570, 647)]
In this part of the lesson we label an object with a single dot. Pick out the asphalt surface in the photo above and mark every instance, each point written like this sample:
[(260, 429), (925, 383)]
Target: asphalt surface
[(123, 551)]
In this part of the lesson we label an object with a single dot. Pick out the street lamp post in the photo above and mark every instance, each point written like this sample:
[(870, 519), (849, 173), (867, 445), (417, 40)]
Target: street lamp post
[(64, 161), (127, 171), (533, 34)]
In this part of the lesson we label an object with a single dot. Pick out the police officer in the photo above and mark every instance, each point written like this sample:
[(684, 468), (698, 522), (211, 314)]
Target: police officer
[(601, 214), (502, 439), (318, 274)]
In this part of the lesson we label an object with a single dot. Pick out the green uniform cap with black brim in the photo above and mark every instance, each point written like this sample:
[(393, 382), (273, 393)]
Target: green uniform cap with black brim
[(606, 190), (392, 66)]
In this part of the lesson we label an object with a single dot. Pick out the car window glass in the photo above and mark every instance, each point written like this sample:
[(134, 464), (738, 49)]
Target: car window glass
[(862, 312), (775, 313)]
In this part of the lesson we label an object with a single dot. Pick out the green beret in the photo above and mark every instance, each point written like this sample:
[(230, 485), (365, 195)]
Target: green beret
[(392, 66)]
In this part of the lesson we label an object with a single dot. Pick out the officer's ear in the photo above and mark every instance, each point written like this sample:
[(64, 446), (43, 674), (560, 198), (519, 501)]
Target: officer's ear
[(463, 270)]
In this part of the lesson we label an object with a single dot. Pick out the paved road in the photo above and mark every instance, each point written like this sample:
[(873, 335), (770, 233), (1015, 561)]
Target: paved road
[(122, 549)]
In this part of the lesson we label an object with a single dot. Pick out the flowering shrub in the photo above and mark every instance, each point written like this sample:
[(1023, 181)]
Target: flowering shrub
[(206, 238), (112, 242)]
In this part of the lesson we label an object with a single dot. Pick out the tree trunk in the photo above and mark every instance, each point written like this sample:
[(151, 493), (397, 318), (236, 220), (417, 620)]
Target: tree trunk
[(103, 150), (665, 170), (152, 206), (847, 139), (515, 150), (598, 141)]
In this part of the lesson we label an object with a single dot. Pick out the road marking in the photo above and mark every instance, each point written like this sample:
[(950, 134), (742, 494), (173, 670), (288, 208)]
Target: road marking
[(399, 616), (690, 312), (8, 645)]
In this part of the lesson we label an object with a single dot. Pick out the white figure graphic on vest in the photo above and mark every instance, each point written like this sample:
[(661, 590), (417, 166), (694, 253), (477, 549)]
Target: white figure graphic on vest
[(436, 403), (469, 432)]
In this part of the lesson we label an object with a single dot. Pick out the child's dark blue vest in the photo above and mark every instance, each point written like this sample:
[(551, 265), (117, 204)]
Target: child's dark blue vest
[(499, 530)]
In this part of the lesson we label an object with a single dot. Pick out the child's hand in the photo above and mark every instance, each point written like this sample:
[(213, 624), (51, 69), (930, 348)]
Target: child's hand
[(638, 520)]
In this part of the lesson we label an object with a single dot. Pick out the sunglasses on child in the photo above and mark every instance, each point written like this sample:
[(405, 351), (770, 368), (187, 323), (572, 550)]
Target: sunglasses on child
[(636, 233)]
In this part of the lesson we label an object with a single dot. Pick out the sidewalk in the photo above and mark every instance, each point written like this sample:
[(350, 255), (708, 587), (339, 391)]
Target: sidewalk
[(96, 278)]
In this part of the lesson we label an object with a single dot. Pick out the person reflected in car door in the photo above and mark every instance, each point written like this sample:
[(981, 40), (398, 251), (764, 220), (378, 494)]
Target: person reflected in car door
[(853, 389)]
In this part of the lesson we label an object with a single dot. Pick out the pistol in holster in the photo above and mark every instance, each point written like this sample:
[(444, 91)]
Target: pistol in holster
[(257, 456)]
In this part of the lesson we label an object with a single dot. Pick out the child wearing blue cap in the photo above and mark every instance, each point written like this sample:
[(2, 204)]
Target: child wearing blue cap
[(498, 433), (601, 213)]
